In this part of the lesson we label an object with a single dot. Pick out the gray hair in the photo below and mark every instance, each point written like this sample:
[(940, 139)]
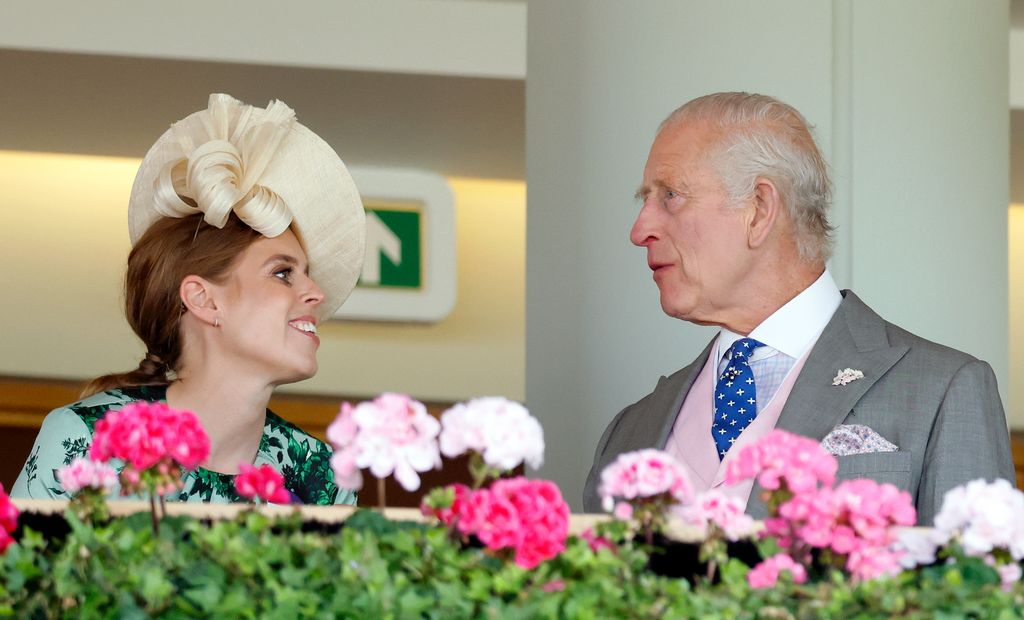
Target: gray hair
[(763, 137)]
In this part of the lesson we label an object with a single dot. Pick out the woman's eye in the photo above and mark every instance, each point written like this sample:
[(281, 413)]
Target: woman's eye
[(285, 273)]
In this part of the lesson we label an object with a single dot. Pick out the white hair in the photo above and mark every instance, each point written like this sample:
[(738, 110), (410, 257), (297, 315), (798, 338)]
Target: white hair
[(763, 137)]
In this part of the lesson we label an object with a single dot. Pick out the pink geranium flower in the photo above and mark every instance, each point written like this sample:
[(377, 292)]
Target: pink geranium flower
[(8, 519), (142, 434), (528, 517), (596, 542), (448, 514), (854, 521), (263, 482), (393, 434), (153, 438), (766, 574), (784, 458), (644, 474), (85, 474), (714, 508)]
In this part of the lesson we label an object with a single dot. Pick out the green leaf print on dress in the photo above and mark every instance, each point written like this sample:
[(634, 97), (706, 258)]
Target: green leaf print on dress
[(303, 460)]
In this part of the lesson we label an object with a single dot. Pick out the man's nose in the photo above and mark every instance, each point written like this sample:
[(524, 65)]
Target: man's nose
[(642, 232)]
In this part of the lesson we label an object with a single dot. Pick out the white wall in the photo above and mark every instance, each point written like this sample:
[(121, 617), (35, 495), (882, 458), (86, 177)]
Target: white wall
[(929, 153), (910, 122)]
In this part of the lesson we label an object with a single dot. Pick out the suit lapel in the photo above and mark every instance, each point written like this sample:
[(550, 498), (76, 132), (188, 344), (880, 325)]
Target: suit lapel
[(666, 401), (854, 338)]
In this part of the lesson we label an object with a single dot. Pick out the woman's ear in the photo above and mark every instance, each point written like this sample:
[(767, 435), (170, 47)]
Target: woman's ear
[(198, 296), (767, 204)]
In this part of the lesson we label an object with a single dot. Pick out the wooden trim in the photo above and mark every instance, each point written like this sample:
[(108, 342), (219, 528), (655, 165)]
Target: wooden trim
[(24, 402), (1017, 449)]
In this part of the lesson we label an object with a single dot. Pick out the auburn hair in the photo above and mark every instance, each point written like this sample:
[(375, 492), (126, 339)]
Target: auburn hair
[(170, 250)]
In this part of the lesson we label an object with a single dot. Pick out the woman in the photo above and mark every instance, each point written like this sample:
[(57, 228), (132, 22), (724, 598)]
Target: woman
[(246, 230)]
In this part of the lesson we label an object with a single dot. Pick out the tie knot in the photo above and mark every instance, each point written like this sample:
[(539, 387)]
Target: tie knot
[(742, 348)]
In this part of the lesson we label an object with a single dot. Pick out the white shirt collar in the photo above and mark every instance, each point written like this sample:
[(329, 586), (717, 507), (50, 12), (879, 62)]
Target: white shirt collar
[(793, 328)]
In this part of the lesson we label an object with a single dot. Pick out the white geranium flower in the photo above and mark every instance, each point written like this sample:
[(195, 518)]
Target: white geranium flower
[(502, 431), (984, 516)]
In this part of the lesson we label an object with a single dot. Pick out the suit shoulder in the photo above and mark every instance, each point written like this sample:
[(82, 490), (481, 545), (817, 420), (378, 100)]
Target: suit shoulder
[(922, 347), (938, 356)]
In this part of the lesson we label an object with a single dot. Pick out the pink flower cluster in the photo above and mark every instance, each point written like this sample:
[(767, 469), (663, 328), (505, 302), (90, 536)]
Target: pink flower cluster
[(527, 516), (8, 520), (766, 574), (85, 474), (143, 434), (644, 474), (714, 508), (263, 482), (782, 458), (853, 520), (501, 430), (391, 434)]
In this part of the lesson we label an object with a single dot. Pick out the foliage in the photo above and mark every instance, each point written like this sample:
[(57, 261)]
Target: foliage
[(257, 567)]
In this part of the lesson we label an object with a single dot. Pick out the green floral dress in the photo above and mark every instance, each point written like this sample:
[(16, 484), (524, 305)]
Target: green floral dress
[(66, 433)]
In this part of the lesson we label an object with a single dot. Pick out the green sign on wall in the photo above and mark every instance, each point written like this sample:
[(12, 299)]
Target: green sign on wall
[(394, 247), (409, 270)]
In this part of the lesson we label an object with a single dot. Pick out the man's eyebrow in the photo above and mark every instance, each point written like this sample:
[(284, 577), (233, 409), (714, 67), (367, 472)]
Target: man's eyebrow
[(641, 193)]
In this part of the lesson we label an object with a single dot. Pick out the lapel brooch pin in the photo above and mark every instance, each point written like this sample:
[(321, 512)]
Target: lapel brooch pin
[(847, 375)]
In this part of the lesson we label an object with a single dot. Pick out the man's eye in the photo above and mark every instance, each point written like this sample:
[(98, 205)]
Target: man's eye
[(285, 273), (669, 194)]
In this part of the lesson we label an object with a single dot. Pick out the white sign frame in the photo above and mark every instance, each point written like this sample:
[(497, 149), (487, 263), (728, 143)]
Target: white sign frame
[(436, 297)]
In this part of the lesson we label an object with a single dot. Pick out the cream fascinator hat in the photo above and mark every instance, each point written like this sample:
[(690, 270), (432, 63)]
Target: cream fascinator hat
[(271, 172)]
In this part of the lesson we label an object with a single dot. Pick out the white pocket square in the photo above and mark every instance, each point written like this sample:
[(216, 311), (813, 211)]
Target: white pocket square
[(847, 439)]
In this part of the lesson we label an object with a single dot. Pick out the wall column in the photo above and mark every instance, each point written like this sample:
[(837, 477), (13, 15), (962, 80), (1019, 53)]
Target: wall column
[(909, 104)]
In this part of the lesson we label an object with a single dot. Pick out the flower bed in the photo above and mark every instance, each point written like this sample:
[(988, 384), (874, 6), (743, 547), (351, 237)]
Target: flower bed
[(507, 547)]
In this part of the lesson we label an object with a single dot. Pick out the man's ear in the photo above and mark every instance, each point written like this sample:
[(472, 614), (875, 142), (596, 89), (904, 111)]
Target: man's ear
[(197, 295), (767, 207)]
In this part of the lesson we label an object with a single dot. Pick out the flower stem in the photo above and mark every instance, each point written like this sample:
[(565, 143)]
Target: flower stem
[(152, 514), (381, 502)]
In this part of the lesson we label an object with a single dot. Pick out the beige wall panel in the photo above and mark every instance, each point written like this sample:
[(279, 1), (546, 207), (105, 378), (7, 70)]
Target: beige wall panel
[(64, 242)]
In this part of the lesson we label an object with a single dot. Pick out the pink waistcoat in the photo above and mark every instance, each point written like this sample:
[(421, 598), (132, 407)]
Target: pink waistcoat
[(691, 441)]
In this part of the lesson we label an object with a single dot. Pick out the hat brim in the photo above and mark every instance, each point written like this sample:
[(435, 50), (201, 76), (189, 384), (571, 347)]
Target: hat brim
[(306, 173)]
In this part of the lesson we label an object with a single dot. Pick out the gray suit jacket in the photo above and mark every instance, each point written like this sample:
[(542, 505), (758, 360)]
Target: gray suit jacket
[(938, 405)]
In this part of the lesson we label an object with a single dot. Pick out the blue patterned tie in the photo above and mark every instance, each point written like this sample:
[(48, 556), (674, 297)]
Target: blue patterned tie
[(735, 396)]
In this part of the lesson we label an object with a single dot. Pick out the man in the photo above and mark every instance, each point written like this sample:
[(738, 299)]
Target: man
[(735, 195)]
